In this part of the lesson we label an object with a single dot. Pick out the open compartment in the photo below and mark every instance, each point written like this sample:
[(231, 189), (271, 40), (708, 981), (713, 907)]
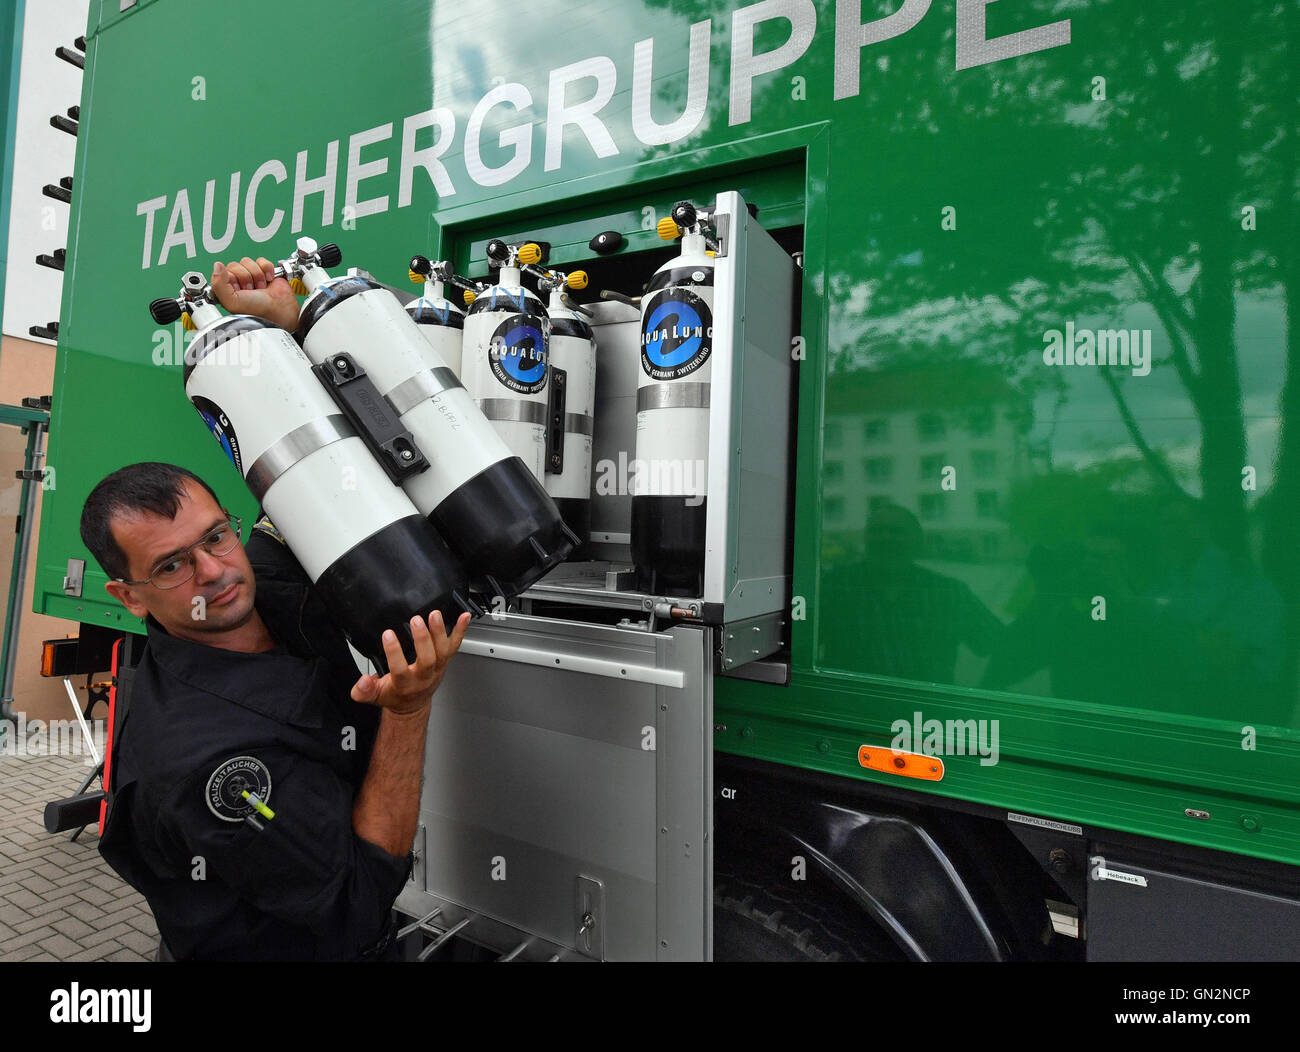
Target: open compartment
[(566, 811), (748, 523)]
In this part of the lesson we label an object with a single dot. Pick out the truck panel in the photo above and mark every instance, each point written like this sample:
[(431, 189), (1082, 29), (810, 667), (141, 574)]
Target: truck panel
[(1085, 573)]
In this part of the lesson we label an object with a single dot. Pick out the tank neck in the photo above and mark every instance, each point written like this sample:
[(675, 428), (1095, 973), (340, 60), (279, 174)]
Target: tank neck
[(694, 245), (314, 278), (205, 314), (509, 277)]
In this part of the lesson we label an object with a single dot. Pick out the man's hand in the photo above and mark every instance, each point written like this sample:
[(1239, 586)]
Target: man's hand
[(249, 287), (407, 688)]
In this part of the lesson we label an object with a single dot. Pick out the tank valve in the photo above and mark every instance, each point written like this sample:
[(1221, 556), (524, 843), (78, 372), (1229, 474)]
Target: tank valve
[(305, 268), (195, 299), (685, 218)]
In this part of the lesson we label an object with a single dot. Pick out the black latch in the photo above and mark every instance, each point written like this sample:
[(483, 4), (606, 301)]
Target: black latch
[(373, 416)]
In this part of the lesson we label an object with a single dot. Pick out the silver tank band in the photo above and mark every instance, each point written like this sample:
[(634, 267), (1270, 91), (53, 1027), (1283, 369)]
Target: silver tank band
[(298, 443), (672, 395), (507, 409), (423, 385), (577, 424)]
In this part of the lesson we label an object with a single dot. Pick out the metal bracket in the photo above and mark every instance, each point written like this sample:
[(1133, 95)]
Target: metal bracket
[(741, 642), (722, 227), (558, 383), (76, 573), (373, 417), (590, 913)]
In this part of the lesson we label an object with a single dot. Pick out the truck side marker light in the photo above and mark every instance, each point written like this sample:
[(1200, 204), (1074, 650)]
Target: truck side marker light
[(908, 764)]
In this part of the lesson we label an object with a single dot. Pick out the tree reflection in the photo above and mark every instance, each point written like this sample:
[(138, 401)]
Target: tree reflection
[(1144, 176)]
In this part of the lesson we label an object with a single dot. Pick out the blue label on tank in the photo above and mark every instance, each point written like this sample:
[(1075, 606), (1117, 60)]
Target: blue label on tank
[(676, 335), (517, 353), (221, 428)]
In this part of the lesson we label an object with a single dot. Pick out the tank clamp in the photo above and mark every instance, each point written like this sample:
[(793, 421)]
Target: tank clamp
[(374, 418)]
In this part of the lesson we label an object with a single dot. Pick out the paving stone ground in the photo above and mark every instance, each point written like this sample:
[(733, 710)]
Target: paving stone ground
[(59, 901)]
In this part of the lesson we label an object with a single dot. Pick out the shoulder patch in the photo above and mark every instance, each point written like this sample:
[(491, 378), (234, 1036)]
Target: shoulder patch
[(226, 787), (265, 525)]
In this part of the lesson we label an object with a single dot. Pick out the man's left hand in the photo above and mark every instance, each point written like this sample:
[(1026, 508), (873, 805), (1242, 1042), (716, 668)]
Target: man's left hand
[(407, 688)]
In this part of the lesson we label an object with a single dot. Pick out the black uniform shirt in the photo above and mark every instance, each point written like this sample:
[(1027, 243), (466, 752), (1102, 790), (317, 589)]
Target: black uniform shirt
[(304, 887)]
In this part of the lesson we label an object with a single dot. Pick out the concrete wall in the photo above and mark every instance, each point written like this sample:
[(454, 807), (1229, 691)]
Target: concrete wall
[(38, 224), (27, 369)]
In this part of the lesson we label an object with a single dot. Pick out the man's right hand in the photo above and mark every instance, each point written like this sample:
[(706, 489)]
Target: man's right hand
[(251, 287), (407, 688)]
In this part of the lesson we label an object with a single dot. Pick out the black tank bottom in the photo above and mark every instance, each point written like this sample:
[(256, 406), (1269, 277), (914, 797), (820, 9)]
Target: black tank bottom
[(576, 512), (505, 528), (668, 545), (403, 570)]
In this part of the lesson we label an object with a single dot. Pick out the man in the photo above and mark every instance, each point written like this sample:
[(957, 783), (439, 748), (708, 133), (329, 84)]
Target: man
[(264, 798)]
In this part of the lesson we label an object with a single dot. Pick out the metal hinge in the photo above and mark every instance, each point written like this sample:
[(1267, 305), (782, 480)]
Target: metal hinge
[(72, 581)]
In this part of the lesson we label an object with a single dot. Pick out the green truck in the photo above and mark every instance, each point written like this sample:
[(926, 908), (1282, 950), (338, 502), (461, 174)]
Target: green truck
[(1011, 453)]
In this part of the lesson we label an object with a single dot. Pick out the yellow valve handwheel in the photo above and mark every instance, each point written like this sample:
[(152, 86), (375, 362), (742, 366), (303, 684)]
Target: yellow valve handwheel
[(417, 279), (577, 280), (668, 229), (470, 297), (530, 253), (298, 287), (187, 321)]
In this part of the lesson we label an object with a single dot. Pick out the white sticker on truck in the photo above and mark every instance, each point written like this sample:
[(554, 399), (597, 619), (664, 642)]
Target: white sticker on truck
[(1044, 823)]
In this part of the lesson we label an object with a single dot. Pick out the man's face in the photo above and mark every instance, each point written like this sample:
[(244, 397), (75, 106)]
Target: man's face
[(217, 599)]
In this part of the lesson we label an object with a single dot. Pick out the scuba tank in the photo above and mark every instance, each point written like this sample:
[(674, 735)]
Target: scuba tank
[(374, 559), (672, 421), (504, 361), (440, 320), (492, 511), (572, 365)]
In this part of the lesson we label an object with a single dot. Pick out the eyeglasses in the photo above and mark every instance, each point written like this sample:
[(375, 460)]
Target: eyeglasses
[(176, 569)]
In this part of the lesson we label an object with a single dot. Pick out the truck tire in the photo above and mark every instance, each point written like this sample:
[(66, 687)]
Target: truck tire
[(753, 923)]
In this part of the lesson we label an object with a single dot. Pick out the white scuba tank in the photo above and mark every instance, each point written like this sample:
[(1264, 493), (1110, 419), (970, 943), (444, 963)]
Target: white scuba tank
[(486, 503), (504, 364), (572, 365), (441, 322), (672, 422), (374, 559)]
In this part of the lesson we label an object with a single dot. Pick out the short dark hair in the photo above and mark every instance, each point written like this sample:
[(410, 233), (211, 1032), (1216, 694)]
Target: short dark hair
[(150, 486)]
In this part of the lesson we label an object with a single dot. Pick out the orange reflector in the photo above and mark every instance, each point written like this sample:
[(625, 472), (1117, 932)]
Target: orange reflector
[(47, 657), (908, 764)]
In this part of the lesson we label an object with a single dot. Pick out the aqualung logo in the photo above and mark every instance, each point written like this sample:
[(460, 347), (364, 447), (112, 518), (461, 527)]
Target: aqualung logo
[(677, 334), (517, 353), (222, 430)]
